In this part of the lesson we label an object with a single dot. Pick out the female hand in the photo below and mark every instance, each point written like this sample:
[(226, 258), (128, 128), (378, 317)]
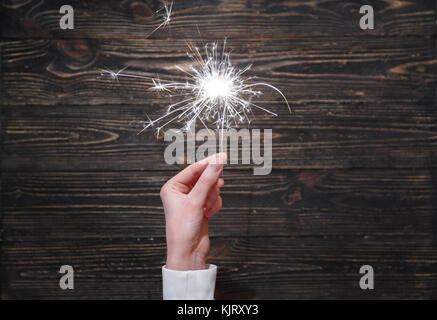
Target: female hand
[(190, 199)]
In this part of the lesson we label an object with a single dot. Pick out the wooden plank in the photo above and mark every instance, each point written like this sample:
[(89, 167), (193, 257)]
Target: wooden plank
[(216, 18), (384, 88), (255, 268), (56, 206), (320, 135), (326, 268), (79, 187), (335, 70)]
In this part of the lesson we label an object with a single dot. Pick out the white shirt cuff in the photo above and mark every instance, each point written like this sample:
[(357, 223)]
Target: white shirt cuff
[(189, 285)]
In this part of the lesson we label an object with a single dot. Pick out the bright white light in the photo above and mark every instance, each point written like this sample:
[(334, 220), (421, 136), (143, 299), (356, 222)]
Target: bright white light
[(216, 87), (215, 91)]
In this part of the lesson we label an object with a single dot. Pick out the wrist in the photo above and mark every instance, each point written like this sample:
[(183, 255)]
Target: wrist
[(185, 262)]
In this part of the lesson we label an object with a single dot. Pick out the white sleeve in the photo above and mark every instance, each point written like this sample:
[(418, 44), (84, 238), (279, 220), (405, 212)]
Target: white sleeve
[(189, 285)]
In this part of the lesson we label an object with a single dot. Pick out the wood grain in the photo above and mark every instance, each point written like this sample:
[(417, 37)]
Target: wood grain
[(376, 110), (56, 206), (255, 268), (215, 19), (335, 70), (322, 135), (354, 179)]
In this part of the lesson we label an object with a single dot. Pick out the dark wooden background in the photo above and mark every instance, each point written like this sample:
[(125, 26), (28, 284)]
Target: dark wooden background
[(355, 170)]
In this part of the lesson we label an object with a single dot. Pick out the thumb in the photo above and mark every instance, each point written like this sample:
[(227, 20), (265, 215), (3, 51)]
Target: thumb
[(207, 180)]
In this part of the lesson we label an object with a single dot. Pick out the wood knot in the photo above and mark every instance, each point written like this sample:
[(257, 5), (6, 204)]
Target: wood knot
[(310, 179), (76, 53), (290, 199), (141, 10), (76, 49)]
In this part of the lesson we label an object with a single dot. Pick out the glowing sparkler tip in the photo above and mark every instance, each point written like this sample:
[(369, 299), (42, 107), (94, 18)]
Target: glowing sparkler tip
[(214, 93), (216, 87)]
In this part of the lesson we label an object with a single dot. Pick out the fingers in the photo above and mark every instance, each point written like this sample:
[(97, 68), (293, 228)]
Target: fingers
[(208, 180), (191, 173), (181, 182), (218, 158), (214, 194), (214, 209), (212, 197), (220, 183)]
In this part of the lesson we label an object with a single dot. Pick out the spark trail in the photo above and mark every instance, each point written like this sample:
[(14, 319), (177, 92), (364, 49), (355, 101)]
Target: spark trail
[(215, 92)]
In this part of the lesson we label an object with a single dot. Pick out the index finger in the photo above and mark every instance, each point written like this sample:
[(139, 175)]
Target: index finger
[(191, 173)]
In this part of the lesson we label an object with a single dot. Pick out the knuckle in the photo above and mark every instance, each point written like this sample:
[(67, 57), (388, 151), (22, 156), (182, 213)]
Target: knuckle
[(164, 191)]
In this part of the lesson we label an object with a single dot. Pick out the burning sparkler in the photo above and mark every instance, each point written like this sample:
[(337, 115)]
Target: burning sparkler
[(215, 92)]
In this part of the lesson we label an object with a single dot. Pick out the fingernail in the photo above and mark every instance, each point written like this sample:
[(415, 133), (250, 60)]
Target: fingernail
[(219, 158)]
